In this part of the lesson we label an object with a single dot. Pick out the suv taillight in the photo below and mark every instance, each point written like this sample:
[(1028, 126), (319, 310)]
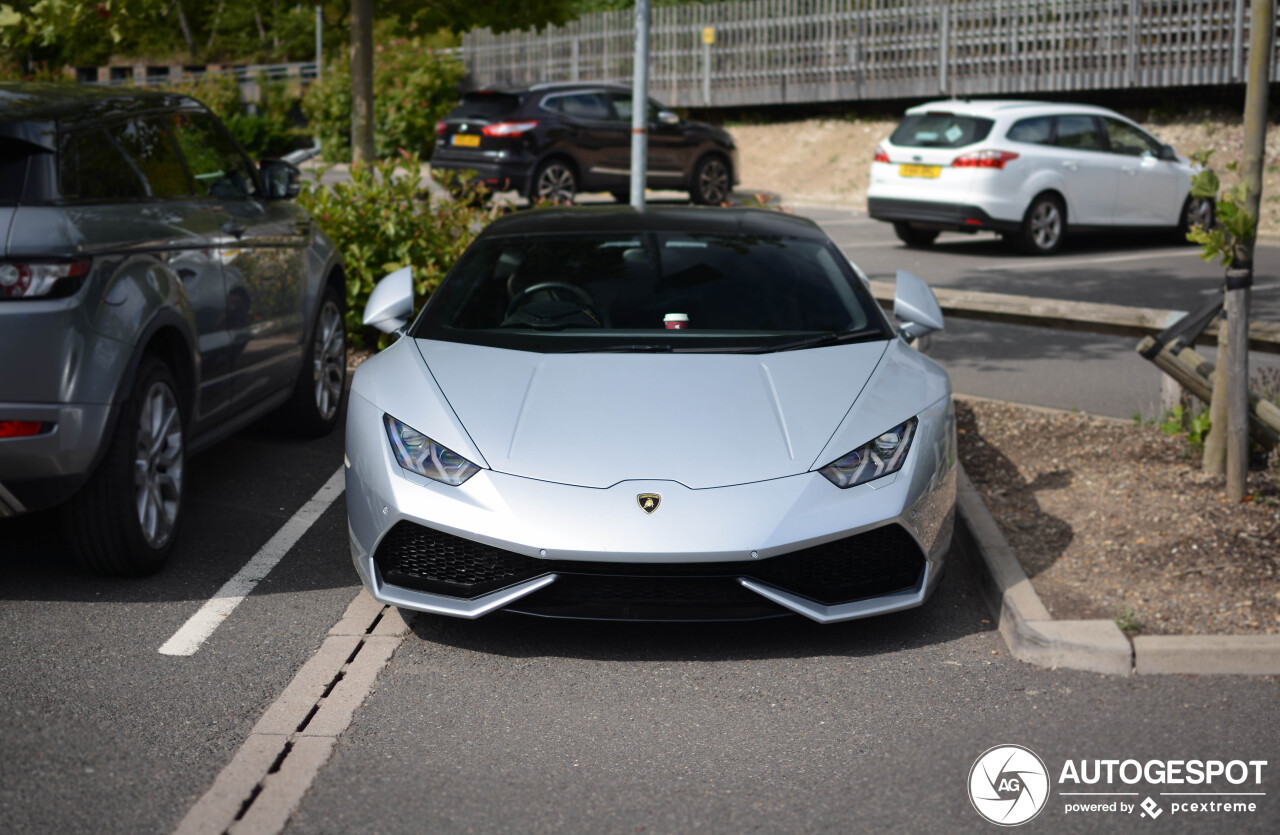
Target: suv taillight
[(20, 428), (34, 280), (508, 128), (441, 127), (984, 159), (881, 155)]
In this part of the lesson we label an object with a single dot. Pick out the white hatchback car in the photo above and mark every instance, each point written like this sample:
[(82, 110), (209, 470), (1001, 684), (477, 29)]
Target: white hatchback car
[(1031, 171)]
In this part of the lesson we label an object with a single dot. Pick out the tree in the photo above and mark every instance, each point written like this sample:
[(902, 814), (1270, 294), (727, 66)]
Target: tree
[(454, 15), (46, 31)]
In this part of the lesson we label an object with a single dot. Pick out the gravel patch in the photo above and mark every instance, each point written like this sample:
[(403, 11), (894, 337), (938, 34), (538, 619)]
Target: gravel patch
[(1115, 520)]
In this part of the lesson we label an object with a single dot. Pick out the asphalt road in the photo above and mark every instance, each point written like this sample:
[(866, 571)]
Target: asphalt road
[(522, 725), (102, 733), (1094, 373)]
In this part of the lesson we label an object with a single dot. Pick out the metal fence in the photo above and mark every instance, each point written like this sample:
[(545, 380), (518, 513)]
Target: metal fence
[(246, 75), (780, 51)]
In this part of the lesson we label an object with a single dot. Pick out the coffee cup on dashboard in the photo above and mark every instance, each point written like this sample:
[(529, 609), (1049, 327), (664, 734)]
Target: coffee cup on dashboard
[(676, 321)]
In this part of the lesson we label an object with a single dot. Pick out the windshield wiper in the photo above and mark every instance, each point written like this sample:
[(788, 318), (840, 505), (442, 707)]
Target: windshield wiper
[(829, 338), (619, 349)]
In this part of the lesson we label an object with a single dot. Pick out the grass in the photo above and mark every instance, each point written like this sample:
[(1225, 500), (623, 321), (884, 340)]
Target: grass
[(1127, 620)]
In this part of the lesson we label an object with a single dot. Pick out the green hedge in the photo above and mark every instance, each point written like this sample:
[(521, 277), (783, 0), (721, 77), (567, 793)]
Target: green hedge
[(384, 218), (413, 88)]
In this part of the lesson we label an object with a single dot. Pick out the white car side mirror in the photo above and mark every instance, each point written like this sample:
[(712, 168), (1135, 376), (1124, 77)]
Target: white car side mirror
[(390, 305), (915, 305)]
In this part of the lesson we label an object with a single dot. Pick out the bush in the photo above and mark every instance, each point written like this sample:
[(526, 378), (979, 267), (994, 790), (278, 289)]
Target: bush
[(384, 219), (413, 88)]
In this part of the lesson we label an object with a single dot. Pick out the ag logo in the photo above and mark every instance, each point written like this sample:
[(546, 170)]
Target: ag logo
[(649, 501), (1008, 785)]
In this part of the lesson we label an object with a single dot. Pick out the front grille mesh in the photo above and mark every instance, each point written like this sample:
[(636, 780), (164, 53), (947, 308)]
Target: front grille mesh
[(864, 565), (418, 557)]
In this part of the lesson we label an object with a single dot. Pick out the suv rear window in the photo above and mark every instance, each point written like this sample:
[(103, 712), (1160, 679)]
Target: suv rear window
[(14, 156), (93, 167), (125, 161), (484, 105), (940, 130)]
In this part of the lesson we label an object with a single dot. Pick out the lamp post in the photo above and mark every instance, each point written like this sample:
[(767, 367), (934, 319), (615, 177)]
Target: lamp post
[(640, 106)]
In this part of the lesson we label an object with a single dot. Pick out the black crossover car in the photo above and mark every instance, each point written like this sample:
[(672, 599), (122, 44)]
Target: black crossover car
[(550, 142), (158, 291)]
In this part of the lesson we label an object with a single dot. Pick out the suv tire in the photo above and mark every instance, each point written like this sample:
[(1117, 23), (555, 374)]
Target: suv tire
[(555, 182), (317, 395), (911, 236), (711, 181), (125, 519), (1043, 226)]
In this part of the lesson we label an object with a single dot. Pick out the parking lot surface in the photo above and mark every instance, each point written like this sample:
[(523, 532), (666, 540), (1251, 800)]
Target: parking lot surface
[(1094, 373), (522, 725)]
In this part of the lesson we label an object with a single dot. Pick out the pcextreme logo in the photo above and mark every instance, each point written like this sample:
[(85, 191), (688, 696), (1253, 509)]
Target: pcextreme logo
[(1009, 785)]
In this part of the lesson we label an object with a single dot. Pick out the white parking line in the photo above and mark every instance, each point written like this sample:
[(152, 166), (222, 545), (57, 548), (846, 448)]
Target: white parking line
[(203, 623), (1060, 263)]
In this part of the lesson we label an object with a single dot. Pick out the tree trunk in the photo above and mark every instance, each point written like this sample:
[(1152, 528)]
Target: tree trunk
[(362, 80), (1240, 277), (213, 27), (1215, 443), (186, 32)]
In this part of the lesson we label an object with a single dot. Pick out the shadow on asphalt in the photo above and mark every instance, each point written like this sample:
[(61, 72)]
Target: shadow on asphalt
[(983, 347), (954, 610), (986, 245), (239, 493)]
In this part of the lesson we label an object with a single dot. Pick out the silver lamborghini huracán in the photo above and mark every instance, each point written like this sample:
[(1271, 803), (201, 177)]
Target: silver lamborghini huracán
[(672, 414)]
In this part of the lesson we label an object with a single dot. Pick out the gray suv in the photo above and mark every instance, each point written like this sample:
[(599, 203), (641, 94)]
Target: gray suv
[(158, 291)]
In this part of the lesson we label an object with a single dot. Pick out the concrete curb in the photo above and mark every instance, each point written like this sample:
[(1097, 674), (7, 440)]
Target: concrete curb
[(260, 789), (1099, 646)]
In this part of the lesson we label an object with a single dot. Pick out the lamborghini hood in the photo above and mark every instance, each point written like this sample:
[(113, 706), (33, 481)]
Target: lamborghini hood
[(703, 420)]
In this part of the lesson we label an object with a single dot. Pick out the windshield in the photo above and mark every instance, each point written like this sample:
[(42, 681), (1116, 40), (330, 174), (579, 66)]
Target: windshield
[(652, 291)]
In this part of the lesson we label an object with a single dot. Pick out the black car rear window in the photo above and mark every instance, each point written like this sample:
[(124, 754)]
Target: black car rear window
[(485, 105), (940, 130)]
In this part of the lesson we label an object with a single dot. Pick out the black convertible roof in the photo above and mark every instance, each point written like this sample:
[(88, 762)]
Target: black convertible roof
[(705, 220)]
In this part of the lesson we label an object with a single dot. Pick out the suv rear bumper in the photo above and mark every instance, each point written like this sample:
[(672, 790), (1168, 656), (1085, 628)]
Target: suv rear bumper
[(42, 470), (933, 215), (503, 175)]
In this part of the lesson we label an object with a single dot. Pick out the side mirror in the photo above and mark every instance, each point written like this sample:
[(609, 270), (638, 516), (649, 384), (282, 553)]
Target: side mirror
[(281, 179), (1167, 153), (390, 305), (915, 306), (668, 117)]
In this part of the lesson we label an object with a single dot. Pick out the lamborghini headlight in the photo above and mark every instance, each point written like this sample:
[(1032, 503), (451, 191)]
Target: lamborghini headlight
[(419, 454), (879, 457)]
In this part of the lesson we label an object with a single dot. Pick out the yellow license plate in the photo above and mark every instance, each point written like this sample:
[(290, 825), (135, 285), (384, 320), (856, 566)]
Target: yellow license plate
[(929, 171), (468, 140)]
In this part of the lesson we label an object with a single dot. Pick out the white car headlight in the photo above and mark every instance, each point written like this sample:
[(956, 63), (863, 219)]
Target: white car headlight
[(880, 457), (419, 454)]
